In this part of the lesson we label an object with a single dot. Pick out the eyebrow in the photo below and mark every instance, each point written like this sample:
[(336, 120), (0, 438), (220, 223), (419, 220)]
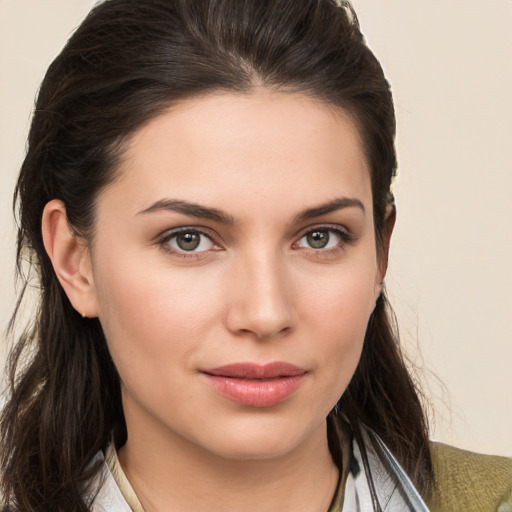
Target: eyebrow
[(216, 215), (332, 206), (191, 209)]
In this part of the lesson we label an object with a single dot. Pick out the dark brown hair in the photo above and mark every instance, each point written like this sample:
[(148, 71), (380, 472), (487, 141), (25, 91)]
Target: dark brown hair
[(127, 63)]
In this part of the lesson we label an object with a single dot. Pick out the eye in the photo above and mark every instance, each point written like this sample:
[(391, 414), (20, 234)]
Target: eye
[(187, 241), (324, 238)]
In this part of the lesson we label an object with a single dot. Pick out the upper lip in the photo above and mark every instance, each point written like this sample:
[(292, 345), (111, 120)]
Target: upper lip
[(249, 370)]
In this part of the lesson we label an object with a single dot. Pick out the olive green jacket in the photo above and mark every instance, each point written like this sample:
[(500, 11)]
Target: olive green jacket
[(470, 482)]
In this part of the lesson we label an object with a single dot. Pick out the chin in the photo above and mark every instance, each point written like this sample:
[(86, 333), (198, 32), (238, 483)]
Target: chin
[(255, 451), (261, 440)]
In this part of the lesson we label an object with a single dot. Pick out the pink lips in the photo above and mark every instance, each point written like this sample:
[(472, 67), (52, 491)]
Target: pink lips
[(256, 385)]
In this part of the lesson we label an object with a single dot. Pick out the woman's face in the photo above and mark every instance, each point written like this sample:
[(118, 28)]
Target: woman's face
[(235, 269)]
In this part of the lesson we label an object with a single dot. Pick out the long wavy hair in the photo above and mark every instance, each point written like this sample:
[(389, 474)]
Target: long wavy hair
[(127, 63)]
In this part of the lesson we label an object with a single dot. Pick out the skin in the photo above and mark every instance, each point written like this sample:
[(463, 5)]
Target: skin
[(254, 290)]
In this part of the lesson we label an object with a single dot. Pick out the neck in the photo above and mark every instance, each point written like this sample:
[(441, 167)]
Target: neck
[(170, 473)]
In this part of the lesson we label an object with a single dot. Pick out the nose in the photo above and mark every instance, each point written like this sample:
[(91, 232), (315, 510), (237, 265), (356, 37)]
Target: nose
[(261, 298)]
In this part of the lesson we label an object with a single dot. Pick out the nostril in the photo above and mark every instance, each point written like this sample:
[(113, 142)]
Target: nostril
[(262, 324)]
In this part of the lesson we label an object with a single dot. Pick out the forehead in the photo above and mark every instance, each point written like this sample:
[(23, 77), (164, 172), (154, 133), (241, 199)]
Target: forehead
[(245, 150)]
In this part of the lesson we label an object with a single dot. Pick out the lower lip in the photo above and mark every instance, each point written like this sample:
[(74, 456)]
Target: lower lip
[(255, 393)]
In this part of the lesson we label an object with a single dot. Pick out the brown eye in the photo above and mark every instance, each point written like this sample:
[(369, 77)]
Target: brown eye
[(189, 241), (318, 239), (324, 238)]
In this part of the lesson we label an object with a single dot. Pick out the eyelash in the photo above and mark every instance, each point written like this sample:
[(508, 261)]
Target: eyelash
[(164, 243), (345, 238)]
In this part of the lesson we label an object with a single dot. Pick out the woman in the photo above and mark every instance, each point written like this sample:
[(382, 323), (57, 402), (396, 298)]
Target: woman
[(206, 199)]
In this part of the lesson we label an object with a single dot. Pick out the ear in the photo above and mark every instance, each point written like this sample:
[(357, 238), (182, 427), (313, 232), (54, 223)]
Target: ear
[(70, 258), (383, 256)]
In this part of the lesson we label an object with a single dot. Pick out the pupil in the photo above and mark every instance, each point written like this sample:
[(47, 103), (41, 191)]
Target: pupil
[(318, 239), (188, 241)]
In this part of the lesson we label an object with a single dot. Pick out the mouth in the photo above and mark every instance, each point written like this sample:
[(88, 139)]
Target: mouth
[(256, 385)]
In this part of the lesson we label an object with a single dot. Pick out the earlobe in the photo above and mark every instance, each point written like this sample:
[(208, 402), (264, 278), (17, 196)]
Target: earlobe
[(70, 258)]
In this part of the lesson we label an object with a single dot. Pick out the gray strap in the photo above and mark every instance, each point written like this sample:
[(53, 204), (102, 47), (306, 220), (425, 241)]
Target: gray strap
[(395, 491)]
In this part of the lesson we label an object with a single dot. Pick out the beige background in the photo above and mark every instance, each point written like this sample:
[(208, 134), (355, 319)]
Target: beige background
[(449, 62)]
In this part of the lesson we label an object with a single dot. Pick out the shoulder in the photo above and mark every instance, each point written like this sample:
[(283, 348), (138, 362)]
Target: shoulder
[(469, 481)]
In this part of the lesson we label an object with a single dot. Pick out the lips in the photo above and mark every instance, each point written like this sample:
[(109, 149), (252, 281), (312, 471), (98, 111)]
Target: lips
[(256, 385)]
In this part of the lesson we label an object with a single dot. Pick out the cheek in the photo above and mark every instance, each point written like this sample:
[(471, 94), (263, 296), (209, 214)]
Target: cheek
[(343, 299), (148, 313), (338, 310)]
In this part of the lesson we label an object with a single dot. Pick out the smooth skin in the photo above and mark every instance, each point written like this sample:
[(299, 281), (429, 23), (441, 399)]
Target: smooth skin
[(210, 249)]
